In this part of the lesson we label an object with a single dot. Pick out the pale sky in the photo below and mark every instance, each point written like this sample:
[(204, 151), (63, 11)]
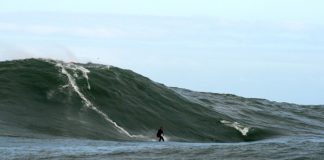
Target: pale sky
[(269, 49)]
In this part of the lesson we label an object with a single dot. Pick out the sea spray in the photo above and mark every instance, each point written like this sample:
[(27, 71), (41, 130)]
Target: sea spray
[(244, 130), (87, 103)]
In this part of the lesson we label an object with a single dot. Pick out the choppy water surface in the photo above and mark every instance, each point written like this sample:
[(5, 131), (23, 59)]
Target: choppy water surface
[(278, 148)]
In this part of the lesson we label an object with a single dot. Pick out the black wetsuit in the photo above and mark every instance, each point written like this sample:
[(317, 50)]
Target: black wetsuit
[(159, 135)]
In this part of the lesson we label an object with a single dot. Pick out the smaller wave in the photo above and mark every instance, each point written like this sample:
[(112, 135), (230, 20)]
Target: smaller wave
[(244, 130)]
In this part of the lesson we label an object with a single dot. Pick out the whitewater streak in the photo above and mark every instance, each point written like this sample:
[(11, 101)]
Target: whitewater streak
[(87, 102), (237, 126)]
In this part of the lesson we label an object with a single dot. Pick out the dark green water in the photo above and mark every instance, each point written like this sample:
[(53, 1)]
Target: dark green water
[(41, 98)]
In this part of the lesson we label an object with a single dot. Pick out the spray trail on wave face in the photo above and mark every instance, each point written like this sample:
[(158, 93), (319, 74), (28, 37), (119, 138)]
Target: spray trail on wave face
[(88, 104), (244, 130)]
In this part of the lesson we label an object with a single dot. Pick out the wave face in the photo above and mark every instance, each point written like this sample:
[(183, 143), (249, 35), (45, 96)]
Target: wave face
[(53, 98)]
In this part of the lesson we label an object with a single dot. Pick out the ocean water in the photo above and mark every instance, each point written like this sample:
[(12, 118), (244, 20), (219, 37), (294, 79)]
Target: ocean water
[(56, 110), (67, 148)]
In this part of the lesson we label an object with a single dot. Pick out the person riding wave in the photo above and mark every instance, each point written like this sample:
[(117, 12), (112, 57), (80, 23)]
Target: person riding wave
[(159, 134)]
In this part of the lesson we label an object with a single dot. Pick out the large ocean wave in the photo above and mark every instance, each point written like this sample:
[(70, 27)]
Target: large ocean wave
[(53, 98)]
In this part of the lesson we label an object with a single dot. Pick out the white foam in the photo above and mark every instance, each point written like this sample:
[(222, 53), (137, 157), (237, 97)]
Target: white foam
[(87, 103), (244, 130), (84, 71)]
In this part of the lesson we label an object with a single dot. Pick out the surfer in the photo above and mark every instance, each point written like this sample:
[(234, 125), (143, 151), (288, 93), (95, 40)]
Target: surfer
[(159, 134)]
